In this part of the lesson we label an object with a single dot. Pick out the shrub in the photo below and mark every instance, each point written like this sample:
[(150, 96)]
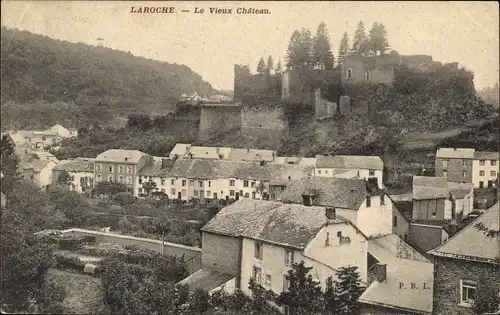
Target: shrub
[(69, 262), (124, 198), (70, 243)]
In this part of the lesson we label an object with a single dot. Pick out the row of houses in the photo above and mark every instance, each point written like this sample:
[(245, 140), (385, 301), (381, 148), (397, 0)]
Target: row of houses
[(39, 139)]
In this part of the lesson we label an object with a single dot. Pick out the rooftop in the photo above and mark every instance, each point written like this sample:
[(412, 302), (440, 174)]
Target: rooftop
[(76, 165), (156, 169), (337, 192), (427, 187), (350, 162), (251, 155), (455, 153), (120, 156), (180, 149), (274, 222), (205, 279), (208, 152), (482, 155), (471, 243)]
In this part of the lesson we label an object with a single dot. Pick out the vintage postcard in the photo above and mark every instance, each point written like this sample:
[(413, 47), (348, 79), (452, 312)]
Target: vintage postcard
[(250, 157)]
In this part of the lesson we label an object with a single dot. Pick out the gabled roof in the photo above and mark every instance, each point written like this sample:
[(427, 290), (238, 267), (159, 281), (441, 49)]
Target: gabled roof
[(76, 165), (274, 222), (251, 155), (335, 192), (471, 243), (404, 265), (455, 153), (180, 149), (205, 279), (482, 155), (207, 152), (156, 169), (427, 187), (120, 156), (37, 165), (350, 162)]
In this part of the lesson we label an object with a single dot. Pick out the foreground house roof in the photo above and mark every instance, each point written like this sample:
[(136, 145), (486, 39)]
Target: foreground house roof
[(205, 279), (472, 242), (120, 156), (350, 162), (404, 265), (331, 192), (274, 222)]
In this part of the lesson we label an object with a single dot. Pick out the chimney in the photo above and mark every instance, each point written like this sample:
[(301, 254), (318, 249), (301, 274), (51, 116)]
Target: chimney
[(307, 200), (380, 272), (331, 213)]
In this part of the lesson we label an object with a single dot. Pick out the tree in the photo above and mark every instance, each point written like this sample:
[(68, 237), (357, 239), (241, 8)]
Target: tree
[(377, 41), (270, 63), (291, 57), (64, 178), (304, 294), (279, 68), (109, 188), (322, 54), (359, 40), (349, 289), (299, 52), (162, 227), (343, 49), (149, 186), (330, 297), (261, 66), (73, 205), (260, 189)]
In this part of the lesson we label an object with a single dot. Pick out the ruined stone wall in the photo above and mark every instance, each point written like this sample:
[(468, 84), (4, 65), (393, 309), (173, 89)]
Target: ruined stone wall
[(263, 122), (218, 119)]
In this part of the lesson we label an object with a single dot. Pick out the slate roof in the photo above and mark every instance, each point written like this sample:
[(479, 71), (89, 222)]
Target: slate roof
[(275, 222), (426, 187), (251, 155), (337, 192), (36, 165), (404, 265), (350, 162), (455, 153), (473, 244), (295, 160), (205, 279), (482, 155), (208, 152), (119, 156), (211, 169), (76, 165), (180, 149), (156, 170)]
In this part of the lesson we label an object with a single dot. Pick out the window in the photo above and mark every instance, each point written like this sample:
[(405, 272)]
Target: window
[(481, 173), (245, 183), (129, 180), (326, 171), (247, 195), (371, 172), (253, 195), (110, 178), (231, 182), (98, 177), (209, 193), (253, 185), (464, 174), (184, 193), (196, 193), (268, 281), (231, 193), (445, 163), (98, 167), (258, 250), (172, 182), (286, 310), (395, 221), (382, 199), (110, 168), (191, 182), (140, 190), (482, 162), (140, 180), (129, 169), (183, 183), (162, 181), (286, 283), (445, 174), (172, 192), (200, 183), (467, 292), (122, 169), (481, 184), (464, 163), (319, 171), (209, 184), (493, 173), (257, 274), (121, 179), (162, 190), (493, 162), (406, 238), (368, 201), (288, 258), (349, 73)]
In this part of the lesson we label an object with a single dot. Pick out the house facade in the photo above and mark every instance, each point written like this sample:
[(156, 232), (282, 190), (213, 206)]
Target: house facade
[(350, 166), (81, 173), (120, 166), (38, 171), (467, 165), (467, 266)]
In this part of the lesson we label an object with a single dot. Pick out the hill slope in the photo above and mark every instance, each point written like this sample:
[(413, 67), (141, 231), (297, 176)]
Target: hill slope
[(86, 83)]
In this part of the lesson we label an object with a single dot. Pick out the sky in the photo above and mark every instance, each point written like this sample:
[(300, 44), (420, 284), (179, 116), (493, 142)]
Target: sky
[(210, 44)]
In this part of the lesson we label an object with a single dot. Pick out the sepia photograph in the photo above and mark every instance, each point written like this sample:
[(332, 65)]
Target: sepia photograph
[(250, 157)]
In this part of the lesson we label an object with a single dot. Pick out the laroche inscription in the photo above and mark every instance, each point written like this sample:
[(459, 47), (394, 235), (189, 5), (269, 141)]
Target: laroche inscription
[(198, 10)]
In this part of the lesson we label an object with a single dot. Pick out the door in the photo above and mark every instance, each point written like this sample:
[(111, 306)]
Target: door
[(179, 195), (202, 194), (237, 196), (481, 184), (215, 196), (490, 183)]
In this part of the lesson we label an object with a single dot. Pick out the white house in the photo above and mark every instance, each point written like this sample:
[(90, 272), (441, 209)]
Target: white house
[(80, 171), (63, 132), (485, 168), (367, 207), (159, 173), (38, 171), (262, 239), (363, 167)]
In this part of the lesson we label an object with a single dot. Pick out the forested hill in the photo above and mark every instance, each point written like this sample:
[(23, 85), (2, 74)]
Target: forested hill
[(47, 81)]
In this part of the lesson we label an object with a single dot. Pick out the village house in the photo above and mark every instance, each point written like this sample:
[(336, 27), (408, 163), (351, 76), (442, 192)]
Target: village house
[(80, 171), (120, 166), (222, 179), (37, 170), (297, 160), (467, 266), (467, 165), (262, 239), (252, 155), (350, 166), (159, 173), (400, 279), (37, 138), (359, 201), (62, 132)]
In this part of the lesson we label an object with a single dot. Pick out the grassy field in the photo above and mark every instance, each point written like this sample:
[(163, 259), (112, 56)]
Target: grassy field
[(83, 292)]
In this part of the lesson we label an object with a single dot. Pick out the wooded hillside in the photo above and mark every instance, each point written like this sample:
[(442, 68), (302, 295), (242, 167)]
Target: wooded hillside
[(86, 83)]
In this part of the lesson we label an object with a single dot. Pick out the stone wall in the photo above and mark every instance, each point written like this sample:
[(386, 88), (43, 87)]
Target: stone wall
[(323, 107), (218, 119), (263, 122), (455, 169), (447, 275), (425, 238), (221, 253)]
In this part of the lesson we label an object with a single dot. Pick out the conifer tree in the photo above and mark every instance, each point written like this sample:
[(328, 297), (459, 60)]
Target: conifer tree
[(343, 48), (331, 300), (279, 68), (270, 63), (322, 53), (377, 42), (349, 289), (359, 40), (291, 58), (261, 66)]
